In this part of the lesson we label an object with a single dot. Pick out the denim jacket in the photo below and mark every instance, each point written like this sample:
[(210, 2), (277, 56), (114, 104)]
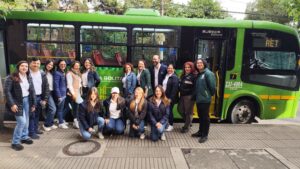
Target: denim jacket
[(93, 79), (60, 84), (130, 84)]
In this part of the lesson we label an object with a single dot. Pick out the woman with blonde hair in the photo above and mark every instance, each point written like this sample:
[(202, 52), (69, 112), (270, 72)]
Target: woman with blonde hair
[(90, 77), (137, 113), (159, 109)]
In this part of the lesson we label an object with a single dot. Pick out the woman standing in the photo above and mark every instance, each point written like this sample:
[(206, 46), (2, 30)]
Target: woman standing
[(186, 89), (170, 86), (129, 81), (60, 91), (137, 113), (159, 109), (90, 114), (205, 89), (144, 78), (51, 107), (20, 101), (115, 112), (90, 77), (74, 89)]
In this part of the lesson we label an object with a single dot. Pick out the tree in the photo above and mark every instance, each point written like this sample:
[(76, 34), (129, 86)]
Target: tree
[(205, 9), (293, 7), (271, 10)]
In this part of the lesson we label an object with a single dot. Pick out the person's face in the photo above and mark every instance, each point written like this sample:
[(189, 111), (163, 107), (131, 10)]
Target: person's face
[(155, 60), (23, 68), (93, 96), (127, 68), (200, 65), (141, 65), (35, 65), (87, 64), (158, 93), (62, 65), (138, 94), (114, 95), (187, 69), (170, 69), (76, 67), (49, 66)]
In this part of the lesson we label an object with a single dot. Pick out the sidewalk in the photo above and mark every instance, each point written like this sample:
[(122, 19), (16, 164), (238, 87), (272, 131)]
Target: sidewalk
[(228, 146)]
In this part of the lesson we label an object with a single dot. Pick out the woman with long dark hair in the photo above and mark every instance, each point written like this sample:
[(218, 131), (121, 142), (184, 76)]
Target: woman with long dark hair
[(51, 107), (90, 77), (159, 109), (20, 101), (91, 114)]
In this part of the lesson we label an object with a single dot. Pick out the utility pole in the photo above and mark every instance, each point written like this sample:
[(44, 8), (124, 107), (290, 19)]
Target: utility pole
[(161, 7)]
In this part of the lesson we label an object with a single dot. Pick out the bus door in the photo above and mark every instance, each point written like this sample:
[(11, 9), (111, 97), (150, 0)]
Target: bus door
[(212, 45)]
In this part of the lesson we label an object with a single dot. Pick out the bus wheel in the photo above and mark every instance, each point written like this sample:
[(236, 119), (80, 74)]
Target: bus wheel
[(242, 112)]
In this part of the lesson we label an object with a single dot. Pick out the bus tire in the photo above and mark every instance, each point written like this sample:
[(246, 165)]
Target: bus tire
[(242, 112)]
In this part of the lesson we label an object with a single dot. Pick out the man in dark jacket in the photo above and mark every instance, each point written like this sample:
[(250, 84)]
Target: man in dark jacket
[(158, 71), (41, 88)]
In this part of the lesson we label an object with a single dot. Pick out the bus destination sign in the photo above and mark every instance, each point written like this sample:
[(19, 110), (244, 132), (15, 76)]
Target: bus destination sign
[(266, 43)]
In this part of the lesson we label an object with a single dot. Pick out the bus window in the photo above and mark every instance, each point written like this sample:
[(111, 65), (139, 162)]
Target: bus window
[(270, 58), (106, 45), (154, 41), (50, 41)]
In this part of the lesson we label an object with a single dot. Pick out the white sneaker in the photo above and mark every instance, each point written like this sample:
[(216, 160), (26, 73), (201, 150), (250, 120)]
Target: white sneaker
[(142, 136), (54, 126), (75, 124), (55, 121), (170, 128), (66, 122), (163, 137), (46, 128), (100, 135), (63, 126)]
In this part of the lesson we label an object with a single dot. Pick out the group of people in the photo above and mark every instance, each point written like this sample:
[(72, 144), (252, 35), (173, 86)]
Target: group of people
[(148, 97)]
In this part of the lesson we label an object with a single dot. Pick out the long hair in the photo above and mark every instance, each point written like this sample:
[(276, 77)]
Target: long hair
[(129, 64), (15, 76), (97, 107), (191, 64), (91, 62), (141, 102), (57, 65), (164, 98), (48, 62), (204, 63)]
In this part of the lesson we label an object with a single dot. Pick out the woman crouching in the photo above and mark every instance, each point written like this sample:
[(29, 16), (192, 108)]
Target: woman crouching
[(158, 111), (137, 113), (91, 114)]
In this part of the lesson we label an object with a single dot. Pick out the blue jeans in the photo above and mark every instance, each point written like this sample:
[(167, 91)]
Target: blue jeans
[(156, 133), (34, 117), (51, 109), (60, 110), (116, 125), (87, 135), (21, 129), (137, 132)]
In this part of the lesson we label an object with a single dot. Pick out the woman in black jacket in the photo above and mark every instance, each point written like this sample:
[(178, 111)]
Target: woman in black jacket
[(186, 89), (159, 109), (170, 85), (20, 101), (137, 113), (91, 114)]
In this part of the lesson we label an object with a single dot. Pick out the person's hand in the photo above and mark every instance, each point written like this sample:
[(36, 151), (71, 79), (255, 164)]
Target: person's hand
[(106, 121), (32, 108), (14, 108), (158, 125), (43, 103), (91, 130), (135, 126)]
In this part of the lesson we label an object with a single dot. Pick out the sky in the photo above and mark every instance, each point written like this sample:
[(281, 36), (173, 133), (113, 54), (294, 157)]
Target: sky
[(228, 5)]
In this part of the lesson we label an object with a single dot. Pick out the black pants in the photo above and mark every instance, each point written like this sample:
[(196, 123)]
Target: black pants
[(171, 115), (203, 113)]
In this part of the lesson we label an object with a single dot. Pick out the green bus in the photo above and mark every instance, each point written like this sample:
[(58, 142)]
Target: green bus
[(256, 63)]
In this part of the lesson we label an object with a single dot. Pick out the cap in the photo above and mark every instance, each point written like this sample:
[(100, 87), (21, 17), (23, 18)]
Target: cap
[(115, 90)]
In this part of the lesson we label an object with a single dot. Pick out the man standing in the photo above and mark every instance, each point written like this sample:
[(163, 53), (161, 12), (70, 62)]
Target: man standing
[(158, 71), (41, 88)]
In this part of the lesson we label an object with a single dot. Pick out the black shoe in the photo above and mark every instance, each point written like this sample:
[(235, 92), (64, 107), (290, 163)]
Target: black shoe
[(184, 130), (39, 132), (17, 147), (202, 139), (35, 137), (28, 141), (197, 134)]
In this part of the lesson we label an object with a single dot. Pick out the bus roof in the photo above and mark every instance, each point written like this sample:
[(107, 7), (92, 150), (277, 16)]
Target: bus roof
[(146, 20)]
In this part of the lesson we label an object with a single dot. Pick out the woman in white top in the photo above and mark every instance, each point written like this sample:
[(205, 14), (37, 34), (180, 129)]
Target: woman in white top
[(74, 84), (90, 77), (51, 107)]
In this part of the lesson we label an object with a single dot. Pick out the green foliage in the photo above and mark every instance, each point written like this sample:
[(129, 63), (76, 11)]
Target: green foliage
[(293, 7), (271, 10), (205, 9)]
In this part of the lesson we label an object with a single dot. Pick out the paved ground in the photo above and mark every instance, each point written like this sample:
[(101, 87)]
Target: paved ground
[(229, 146)]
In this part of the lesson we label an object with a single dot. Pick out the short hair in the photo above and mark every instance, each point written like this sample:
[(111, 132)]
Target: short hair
[(33, 59)]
